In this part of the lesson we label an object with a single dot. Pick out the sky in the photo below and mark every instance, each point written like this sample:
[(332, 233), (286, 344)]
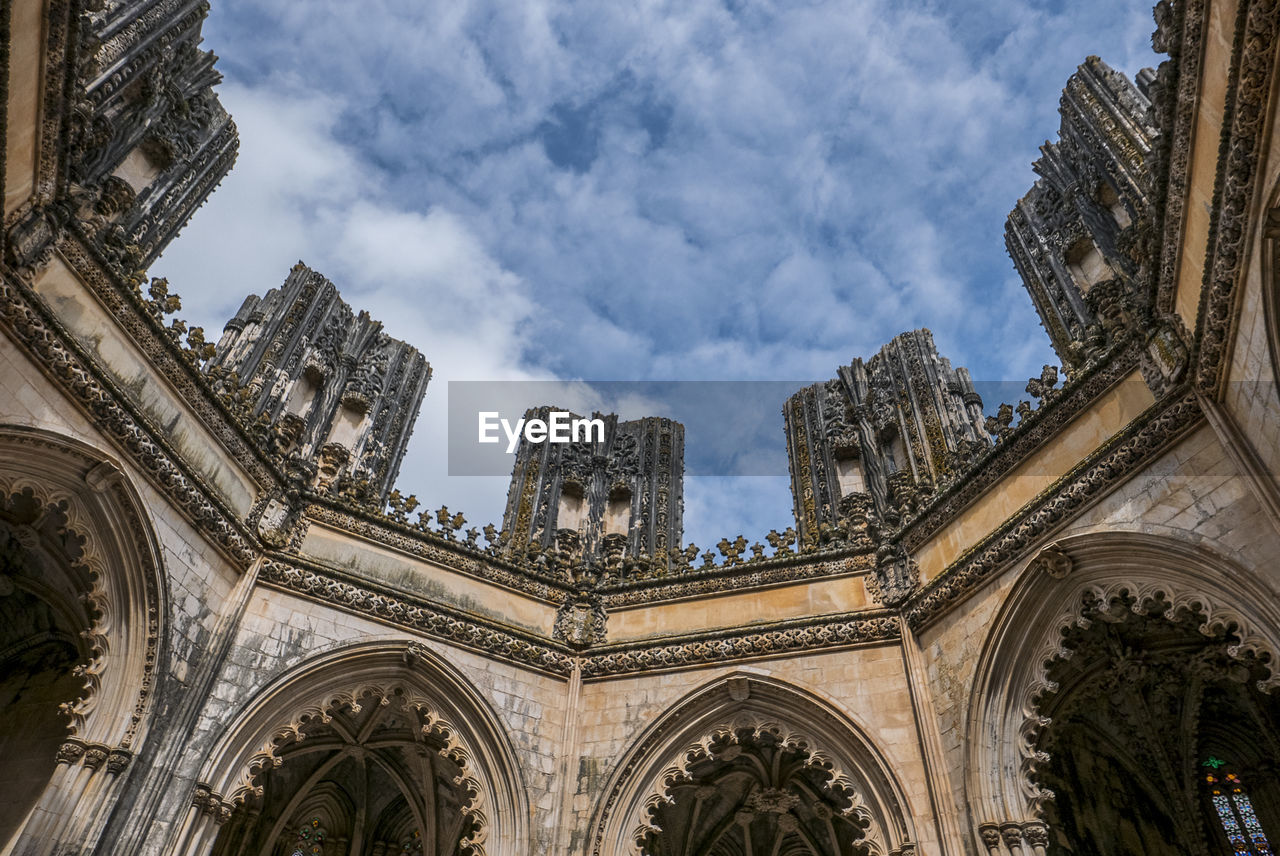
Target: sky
[(643, 191)]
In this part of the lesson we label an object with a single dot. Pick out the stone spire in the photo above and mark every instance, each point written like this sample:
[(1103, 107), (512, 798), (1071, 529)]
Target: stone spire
[(612, 497), (1074, 236), (878, 438), (149, 140), (343, 394)]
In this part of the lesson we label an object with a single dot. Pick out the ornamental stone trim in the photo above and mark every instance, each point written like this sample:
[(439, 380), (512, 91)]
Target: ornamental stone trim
[(169, 359), (1245, 108), (110, 411), (782, 638), (1030, 436), (1179, 32), (416, 614), (1124, 455), (449, 554), (748, 575)]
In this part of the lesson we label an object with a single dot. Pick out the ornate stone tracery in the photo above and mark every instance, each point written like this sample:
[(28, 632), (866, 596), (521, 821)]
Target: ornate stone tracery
[(350, 743), (362, 702), (802, 761), (1112, 575), (754, 786), (81, 566)]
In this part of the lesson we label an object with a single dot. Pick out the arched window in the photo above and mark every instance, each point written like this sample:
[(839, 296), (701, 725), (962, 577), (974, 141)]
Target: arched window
[(1235, 811)]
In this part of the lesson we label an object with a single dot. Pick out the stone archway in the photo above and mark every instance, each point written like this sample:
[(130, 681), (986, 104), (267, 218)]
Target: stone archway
[(1144, 696), (373, 772), (1193, 605), (81, 597), (751, 787), (749, 762), (381, 746)]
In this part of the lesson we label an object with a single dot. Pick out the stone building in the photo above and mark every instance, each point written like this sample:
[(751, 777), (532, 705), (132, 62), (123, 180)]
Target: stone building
[(1053, 629)]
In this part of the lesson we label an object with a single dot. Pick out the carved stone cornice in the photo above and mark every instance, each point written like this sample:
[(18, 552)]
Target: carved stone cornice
[(535, 651), (786, 637), (754, 573), (110, 409), (1032, 435), (433, 548), (168, 358), (1245, 117), (1180, 33), (1124, 455), (403, 610)]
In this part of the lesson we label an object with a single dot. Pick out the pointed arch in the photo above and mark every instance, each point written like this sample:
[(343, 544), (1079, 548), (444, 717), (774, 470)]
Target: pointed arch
[(744, 702), (81, 547), (1160, 573), (454, 718)]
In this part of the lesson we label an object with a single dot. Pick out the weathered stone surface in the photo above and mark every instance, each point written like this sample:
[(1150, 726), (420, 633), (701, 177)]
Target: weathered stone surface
[(198, 578)]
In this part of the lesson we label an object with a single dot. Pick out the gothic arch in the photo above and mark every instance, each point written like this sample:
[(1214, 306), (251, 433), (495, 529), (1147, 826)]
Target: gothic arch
[(83, 550), (745, 704), (1174, 577), (449, 716)]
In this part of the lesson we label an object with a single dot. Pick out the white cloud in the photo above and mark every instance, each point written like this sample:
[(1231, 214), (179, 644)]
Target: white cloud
[(760, 190)]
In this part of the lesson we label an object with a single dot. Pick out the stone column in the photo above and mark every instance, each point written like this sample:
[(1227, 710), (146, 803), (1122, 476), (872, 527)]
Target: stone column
[(70, 812)]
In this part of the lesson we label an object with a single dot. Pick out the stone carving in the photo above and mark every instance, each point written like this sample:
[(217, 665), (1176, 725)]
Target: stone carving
[(1140, 441), (1012, 835), (808, 634), (990, 835), (896, 575), (580, 621), (346, 393), (624, 494), (367, 721), (1238, 164), (772, 781), (1051, 561), (879, 437), (118, 418), (38, 519), (1069, 236), (1030, 435)]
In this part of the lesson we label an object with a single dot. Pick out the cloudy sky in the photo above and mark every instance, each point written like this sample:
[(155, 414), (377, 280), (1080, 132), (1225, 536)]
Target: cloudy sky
[(693, 190)]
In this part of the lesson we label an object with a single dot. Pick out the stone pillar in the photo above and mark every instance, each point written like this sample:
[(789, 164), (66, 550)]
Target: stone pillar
[(74, 806)]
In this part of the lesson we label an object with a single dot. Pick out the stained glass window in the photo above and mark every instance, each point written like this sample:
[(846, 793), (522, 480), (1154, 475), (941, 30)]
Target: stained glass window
[(412, 844), (1235, 811), (310, 840)]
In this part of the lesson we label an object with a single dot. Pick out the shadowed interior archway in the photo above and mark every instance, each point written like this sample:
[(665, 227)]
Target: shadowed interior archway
[(1143, 700), (380, 746), (745, 762), (81, 600), (1090, 619)]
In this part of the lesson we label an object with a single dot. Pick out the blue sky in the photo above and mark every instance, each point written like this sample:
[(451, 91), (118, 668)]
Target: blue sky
[(643, 191)]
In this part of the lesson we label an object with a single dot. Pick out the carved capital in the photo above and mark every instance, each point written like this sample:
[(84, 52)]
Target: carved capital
[(1037, 836), (210, 804), (118, 760), (69, 752), (990, 835), (95, 755), (1012, 835)]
